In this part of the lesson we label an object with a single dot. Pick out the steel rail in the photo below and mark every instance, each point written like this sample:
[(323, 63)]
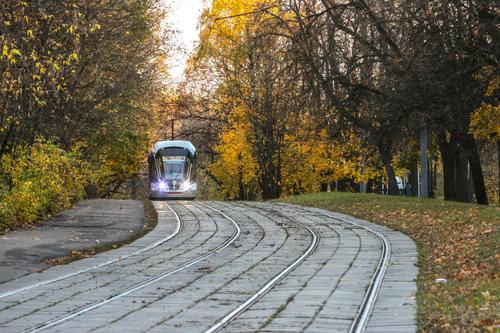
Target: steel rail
[(366, 307), (145, 283), (365, 310), (363, 315), (104, 264), (269, 285)]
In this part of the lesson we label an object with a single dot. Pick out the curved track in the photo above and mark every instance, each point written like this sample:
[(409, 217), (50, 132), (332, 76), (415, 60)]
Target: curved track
[(103, 264), (232, 267), (277, 278)]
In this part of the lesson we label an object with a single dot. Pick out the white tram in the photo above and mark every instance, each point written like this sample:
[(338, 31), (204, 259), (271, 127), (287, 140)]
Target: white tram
[(172, 170)]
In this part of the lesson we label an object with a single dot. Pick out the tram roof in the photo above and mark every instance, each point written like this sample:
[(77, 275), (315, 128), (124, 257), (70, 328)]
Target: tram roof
[(174, 144)]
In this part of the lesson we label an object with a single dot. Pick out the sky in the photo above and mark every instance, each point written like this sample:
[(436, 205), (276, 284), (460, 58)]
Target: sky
[(183, 17)]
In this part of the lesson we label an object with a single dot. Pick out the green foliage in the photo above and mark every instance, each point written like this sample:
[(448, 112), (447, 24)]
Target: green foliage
[(37, 181), (115, 157)]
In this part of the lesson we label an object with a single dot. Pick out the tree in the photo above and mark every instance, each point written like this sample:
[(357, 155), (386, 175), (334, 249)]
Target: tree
[(485, 121), (364, 72), (82, 74), (250, 68)]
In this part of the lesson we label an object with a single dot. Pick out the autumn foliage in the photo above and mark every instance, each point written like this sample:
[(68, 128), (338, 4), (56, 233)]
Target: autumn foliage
[(297, 82), (79, 80), (38, 181), (291, 97)]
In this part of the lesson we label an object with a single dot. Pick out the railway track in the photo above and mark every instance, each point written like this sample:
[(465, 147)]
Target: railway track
[(144, 259), (142, 284), (362, 315), (95, 267), (267, 255)]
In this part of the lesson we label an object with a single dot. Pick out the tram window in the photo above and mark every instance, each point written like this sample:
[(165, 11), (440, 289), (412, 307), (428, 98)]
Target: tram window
[(174, 170), (159, 165), (189, 170)]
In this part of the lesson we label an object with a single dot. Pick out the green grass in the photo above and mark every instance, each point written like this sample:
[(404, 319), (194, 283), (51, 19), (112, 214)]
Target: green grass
[(456, 241)]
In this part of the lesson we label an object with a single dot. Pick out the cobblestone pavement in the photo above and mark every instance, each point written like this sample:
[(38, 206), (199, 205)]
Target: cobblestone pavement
[(233, 267)]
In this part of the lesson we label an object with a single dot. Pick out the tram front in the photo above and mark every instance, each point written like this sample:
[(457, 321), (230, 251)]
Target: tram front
[(172, 170)]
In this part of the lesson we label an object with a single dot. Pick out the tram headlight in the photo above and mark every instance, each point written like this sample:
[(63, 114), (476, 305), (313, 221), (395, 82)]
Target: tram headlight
[(162, 186), (187, 185)]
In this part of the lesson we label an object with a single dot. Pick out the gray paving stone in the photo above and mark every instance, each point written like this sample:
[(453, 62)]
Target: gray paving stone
[(320, 295)]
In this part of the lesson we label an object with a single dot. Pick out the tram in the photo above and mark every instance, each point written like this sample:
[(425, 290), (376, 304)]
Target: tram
[(172, 170)]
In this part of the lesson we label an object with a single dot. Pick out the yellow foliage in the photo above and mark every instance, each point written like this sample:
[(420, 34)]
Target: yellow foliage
[(304, 160), (225, 24), (236, 167), (308, 160), (316, 160), (485, 122), (39, 180)]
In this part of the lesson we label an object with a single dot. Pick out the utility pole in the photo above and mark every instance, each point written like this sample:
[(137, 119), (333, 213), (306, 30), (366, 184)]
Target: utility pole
[(172, 132), (173, 122), (424, 192), (170, 108), (362, 185)]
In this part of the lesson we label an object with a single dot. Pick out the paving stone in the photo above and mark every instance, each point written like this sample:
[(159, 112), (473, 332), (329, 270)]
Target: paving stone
[(322, 294)]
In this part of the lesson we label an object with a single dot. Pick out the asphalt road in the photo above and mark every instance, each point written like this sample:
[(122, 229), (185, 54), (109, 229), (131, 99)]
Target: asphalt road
[(90, 223), (229, 267)]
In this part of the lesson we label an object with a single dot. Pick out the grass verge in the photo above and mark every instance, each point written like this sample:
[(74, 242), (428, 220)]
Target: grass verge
[(151, 219), (458, 242)]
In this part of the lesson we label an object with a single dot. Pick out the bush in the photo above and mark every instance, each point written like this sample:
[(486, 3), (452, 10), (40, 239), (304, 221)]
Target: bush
[(37, 181)]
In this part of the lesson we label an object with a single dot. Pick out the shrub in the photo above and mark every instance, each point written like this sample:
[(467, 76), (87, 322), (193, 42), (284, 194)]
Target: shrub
[(37, 181)]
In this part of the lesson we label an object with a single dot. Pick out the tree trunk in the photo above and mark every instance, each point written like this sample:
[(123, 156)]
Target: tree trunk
[(462, 180), (469, 145), (435, 177), (241, 187), (270, 190), (424, 161), (341, 185), (369, 186), (386, 156), (414, 179), (378, 188), (448, 155), (431, 179)]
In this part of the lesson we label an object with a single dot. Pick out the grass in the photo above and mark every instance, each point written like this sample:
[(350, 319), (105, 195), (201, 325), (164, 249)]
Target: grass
[(456, 241)]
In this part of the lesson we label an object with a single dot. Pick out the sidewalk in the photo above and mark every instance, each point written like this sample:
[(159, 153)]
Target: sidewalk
[(89, 224)]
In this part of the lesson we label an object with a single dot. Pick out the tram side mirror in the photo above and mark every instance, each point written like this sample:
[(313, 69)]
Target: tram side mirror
[(151, 158)]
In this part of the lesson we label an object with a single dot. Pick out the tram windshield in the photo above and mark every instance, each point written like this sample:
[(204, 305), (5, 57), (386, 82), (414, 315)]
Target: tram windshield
[(173, 167), (174, 170)]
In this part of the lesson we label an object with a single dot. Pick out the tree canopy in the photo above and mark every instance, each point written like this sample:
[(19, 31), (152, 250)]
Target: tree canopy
[(83, 76), (359, 77)]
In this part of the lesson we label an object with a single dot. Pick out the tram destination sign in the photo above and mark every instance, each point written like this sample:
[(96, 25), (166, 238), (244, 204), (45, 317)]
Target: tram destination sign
[(173, 158)]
